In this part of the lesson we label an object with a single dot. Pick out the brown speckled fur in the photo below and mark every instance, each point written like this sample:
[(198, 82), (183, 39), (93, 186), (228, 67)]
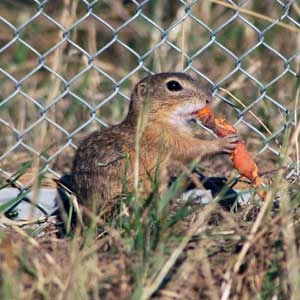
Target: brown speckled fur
[(166, 137)]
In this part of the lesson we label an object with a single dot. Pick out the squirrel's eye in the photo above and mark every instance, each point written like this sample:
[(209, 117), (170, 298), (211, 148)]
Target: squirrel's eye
[(174, 85)]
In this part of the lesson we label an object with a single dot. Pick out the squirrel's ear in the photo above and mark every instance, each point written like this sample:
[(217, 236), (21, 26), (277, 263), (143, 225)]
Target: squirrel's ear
[(141, 90)]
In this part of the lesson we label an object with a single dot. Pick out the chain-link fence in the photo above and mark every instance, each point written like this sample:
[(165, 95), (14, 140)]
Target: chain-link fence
[(67, 67)]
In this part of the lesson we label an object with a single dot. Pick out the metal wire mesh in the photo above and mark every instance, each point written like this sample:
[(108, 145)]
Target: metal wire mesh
[(67, 67)]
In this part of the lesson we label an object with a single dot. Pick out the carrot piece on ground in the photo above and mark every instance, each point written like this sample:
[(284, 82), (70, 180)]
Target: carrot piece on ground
[(240, 157)]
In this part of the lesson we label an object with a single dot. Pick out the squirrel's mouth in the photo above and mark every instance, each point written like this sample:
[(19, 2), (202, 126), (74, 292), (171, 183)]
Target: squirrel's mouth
[(190, 112), (193, 114), (186, 113)]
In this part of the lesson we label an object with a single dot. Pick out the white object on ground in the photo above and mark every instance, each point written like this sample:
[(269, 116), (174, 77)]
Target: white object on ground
[(30, 209), (46, 203), (204, 196)]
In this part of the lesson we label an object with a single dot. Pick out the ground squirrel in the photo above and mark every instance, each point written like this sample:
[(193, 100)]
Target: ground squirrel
[(160, 110)]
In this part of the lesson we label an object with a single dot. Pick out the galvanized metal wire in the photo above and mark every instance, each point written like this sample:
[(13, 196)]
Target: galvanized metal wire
[(163, 38)]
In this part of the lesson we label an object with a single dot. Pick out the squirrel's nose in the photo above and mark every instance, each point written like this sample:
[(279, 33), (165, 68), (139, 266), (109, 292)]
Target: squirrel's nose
[(208, 99), (204, 95)]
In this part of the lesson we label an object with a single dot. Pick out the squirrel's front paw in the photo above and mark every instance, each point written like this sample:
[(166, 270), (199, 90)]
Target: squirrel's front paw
[(229, 143)]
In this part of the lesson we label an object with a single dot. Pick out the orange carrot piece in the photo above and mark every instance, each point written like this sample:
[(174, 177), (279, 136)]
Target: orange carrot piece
[(223, 128), (240, 157), (204, 112)]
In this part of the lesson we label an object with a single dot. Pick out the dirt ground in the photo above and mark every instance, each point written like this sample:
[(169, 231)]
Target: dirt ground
[(46, 266)]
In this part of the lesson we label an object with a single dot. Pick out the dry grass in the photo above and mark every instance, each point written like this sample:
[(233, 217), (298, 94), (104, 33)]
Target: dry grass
[(158, 251)]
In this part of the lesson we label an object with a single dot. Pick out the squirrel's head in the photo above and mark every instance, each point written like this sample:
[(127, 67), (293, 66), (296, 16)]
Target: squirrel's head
[(171, 97)]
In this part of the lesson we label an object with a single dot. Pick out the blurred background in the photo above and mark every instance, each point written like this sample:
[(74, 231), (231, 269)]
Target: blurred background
[(67, 68)]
